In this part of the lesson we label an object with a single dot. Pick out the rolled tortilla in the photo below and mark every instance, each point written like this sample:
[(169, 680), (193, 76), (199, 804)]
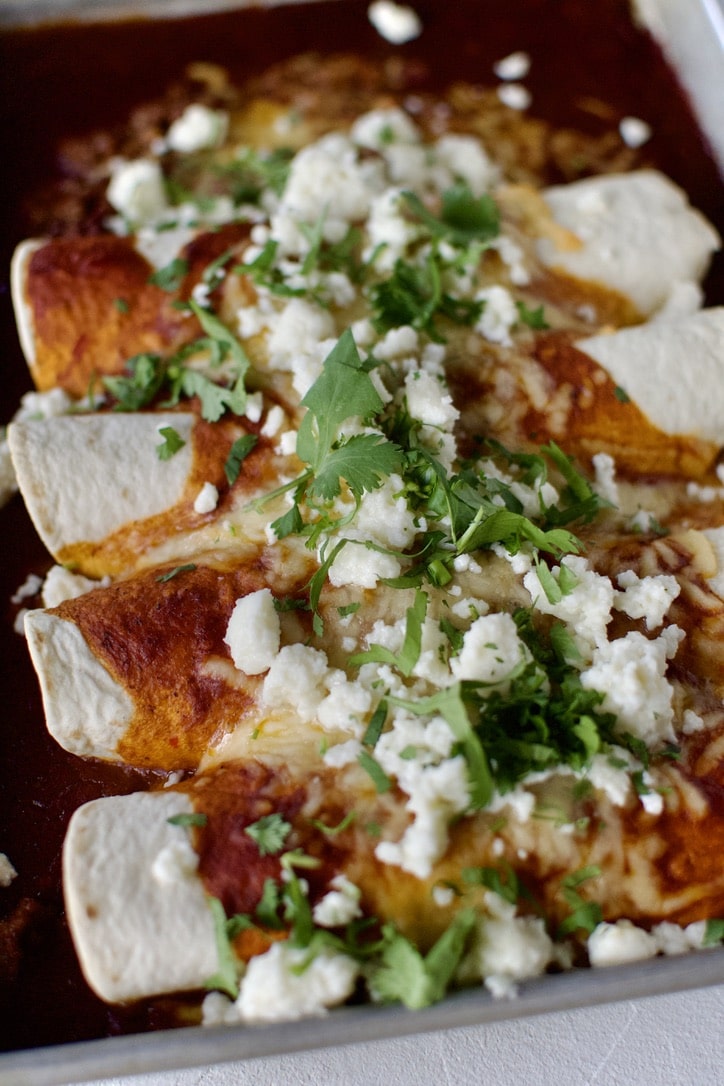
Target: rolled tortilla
[(83, 477), (135, 890), (86, 305), (105, 503), (638, 235), (139, 671), (137, 910), (673, 370)]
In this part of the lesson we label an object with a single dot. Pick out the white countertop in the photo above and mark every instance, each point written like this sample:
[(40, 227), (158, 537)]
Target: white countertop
[(673, 1040)]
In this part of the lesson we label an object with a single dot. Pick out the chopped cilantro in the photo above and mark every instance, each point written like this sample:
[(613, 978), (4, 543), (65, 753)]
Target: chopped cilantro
[(226, 977), (713, 933), (585, 915), (410, 651), (171, 444), (170, 277), (414, 295), (332, 831), (534, 318), (251, 172), (376, 724), (503, 881), (189, 818), (269, 832), (175, 572), (621, 394), (237, 454), (464, 218), (403, 974), (374, 770)]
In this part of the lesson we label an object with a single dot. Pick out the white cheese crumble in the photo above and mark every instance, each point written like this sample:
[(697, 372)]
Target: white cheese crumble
[(207, 499), (7, 871), (136, 190), (491, 650), (278, 987), (631, 674), (380, 127), (507, 949), (396, 23), (585, 607), (176, 862), (513, 67), (615, 944), (499, 315), (437, 794), (197, 129), (623, 941), (514, 96), (648, 598), (605, 484), (340, 906), (275, 419), (634, 132), (429, 400), (467, 161), (253, 632), (296, 679), (30, 587), (60, 585)]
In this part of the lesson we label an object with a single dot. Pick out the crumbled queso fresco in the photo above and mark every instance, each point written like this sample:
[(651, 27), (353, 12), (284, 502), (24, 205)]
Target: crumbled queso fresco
[(384, 501)]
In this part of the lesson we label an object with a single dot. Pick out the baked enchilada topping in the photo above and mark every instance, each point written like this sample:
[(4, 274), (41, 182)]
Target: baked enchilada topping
[(403, 543)]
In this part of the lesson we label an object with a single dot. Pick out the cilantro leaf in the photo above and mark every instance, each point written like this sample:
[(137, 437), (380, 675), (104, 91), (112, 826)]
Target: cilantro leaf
[(410, 652), (170, 277), (364, 461), (237, 454), (585, 915), (464, 218), (145, 374), (374, 770), (534, 318), (713, 933), (171, 444), (226, 977), (290, 523), (403, 974), (163, 577), (269, 832), (344, 390), (189, 818), (502, 881), (215, 399)]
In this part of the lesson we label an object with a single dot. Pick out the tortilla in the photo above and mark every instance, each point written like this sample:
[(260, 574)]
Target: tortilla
[(132, 897), (104, 501), (674, 371), (637, 234)]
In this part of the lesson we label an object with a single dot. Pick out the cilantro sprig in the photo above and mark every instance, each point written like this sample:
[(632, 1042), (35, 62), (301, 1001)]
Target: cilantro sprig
[(148, 375), (343, 392)]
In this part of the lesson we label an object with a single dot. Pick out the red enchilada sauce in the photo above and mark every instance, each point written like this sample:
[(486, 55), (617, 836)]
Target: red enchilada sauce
[(590, 67)]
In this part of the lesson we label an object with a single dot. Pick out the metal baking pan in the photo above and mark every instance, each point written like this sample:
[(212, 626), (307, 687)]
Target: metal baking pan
[(691, 35)]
